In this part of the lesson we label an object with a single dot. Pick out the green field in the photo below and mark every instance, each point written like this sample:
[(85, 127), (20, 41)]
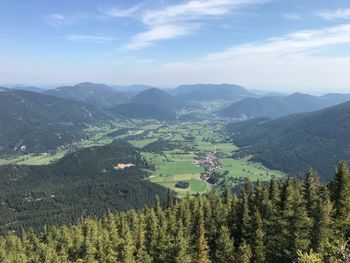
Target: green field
[(178, 164), (191, 139)]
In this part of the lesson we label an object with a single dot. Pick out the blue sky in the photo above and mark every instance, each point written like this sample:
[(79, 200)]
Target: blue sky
[(281, 45)]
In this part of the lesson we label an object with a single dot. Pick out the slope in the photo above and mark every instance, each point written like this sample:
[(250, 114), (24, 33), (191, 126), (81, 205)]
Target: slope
[(97, 94), (83, 183), (32, 122), (292, 143), (274, 107)]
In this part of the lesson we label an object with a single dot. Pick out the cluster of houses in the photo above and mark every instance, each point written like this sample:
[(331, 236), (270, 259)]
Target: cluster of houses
[(210, 162)]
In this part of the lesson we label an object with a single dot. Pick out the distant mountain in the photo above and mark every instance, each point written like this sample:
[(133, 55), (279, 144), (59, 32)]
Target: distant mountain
[(202, 92), (292, 143), (32, 122), (83, 183), (158, 98), (274, 107), (144, 111), (150, 104), (92, 93), (29, 88), (136, 88)]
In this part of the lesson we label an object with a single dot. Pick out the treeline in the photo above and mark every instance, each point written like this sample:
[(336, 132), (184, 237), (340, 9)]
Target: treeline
[(286, 221)]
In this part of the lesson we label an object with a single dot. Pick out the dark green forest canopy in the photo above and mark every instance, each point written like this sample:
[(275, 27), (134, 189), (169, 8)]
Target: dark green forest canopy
[(83, 183), (293, 143), (285, 222)]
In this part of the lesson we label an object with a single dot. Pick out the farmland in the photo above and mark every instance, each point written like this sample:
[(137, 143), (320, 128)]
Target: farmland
[(172, 150)]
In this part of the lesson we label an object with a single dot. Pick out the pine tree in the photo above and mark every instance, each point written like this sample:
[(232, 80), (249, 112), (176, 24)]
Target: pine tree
[(244, 253), (311, 191), (340, 194), (141, 251), (321, 230), (202, 245), (299, 225), (182, 250), (127, 246), (257, 239), (243, 220), (224, 247)]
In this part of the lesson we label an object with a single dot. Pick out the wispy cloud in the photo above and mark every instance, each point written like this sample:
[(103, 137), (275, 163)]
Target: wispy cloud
[(89, 38), (292, 16), (117, 12), (299, 42), (338, 14), (159, 32), (59, 20), (177, 20)]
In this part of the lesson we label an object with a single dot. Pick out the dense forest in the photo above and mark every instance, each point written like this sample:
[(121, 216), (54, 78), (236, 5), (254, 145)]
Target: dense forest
[(83, 183), (285, 221)]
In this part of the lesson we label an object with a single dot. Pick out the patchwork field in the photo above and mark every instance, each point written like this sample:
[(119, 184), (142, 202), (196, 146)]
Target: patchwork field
[(172, 149)]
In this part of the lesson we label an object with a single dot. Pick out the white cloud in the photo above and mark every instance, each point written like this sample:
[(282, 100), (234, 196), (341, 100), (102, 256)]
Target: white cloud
[(89, 38), (59, 20), (160, 32), (288, 63), (292, 17), (338, 14), (177, 20), (300, 42), (117, 12)]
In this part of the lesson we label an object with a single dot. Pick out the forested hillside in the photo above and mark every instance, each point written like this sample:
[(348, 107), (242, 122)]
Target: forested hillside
[(144, 111), (32, 122), (278, 106), (83, 183), (294, 142), (287, 221), (92, 93)]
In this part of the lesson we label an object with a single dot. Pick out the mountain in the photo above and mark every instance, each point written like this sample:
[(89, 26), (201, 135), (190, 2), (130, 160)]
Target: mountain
[(274, 107), (136, 88), (150, 104), (81, 184), (29, 88), (92, 93), (32, 122), (159, 98), (202, 92), (144, 111), (292, 143)]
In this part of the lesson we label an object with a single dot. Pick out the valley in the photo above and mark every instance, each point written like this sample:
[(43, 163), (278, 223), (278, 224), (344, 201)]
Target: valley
[(174, 150)]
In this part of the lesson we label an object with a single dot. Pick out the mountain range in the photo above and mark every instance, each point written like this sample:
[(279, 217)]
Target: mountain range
[(97, 94), (277, 106), (203, 92)]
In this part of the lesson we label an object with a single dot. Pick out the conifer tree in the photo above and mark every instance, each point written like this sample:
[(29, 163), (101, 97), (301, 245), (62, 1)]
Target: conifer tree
[(244, 253), (311, 190), (127, 247), (182, 248), (202, 245), (340, 190), (257, 239), (224, 247)]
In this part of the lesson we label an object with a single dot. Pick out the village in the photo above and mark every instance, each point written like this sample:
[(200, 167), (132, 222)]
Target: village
[(210, 162)]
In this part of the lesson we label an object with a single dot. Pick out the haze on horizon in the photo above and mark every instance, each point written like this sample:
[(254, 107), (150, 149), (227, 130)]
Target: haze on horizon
[(274, 45)]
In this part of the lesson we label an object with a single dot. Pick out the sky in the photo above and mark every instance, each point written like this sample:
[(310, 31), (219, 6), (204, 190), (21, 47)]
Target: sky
[(275, 45)]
